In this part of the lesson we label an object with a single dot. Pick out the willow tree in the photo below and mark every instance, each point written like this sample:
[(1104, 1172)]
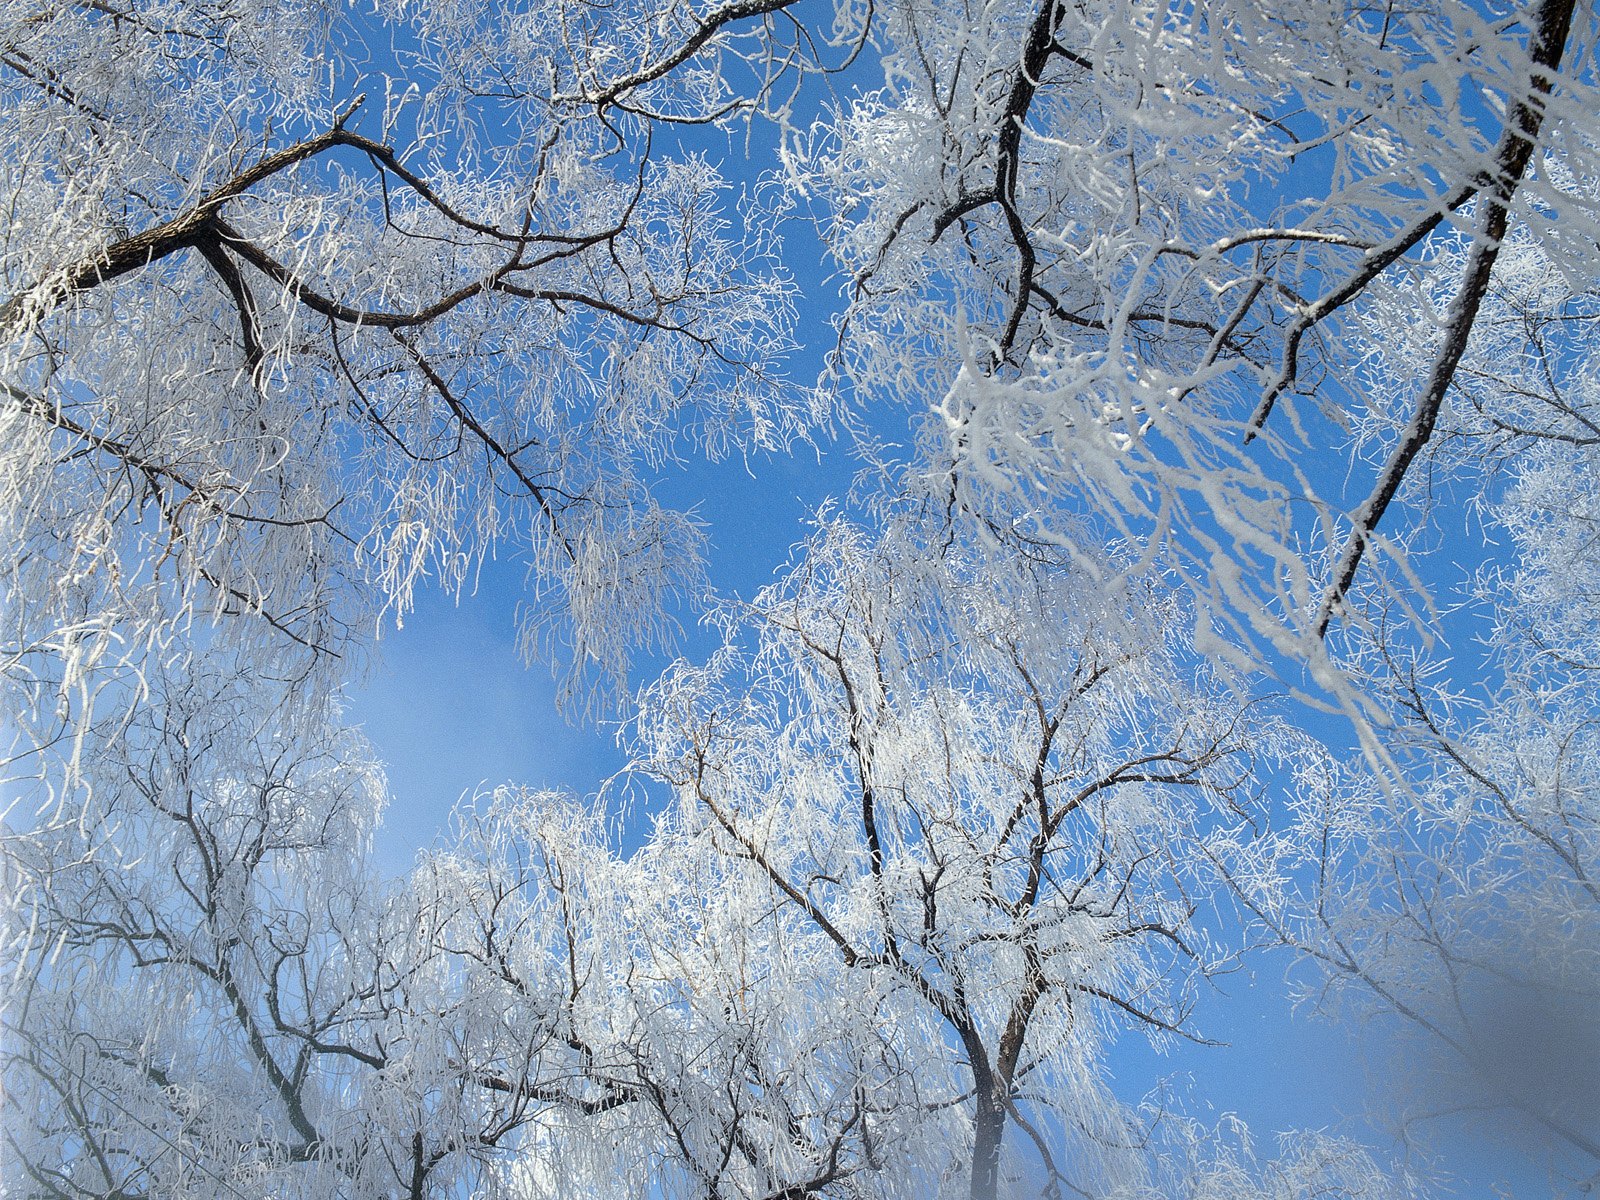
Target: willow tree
[(991, 792), (291, 323)]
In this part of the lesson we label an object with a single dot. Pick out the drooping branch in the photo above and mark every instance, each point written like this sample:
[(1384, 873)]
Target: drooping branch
[(138, 251)]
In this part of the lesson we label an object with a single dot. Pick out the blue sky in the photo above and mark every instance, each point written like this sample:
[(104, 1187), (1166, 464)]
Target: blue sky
[(451, 706)]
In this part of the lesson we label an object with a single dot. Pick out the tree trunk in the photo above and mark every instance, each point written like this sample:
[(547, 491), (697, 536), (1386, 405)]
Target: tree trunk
[(988, 1128)]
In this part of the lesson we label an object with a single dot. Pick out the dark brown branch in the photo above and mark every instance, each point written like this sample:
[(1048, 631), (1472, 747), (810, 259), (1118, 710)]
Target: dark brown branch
[(1517, 144), (141, 249), (616, 1095), (709, 28), (211, 250)]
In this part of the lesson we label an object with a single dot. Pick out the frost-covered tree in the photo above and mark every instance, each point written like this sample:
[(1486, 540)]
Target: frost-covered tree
[(653, 1022), (1147, 262), (1467, 903), (199, 983), (978, 787), (922, 857), (302, 307)]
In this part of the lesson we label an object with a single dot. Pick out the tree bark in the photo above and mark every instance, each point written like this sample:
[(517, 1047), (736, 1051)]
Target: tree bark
[(988, 1130)]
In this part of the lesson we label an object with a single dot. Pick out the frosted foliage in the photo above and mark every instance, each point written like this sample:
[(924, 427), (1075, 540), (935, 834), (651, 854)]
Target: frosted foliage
[(1206, 313), (1194, 1162), (1136, 261), (934, 834), (1469, 911), (986, 797), (658, 1024), (290, 327)]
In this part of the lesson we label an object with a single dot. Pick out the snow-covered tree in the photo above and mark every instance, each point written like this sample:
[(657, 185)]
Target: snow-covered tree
[(977, 786), (199, 982), (1146, 263), (1466, 903), (303, 306), (653, 1022)]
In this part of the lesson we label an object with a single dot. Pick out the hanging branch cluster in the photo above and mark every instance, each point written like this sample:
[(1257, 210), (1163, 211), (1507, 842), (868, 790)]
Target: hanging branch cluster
[(1134, 250), (289, 377)]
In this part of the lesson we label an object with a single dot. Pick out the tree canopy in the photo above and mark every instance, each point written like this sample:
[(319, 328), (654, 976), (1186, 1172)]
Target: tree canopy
[(1241, 361)]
